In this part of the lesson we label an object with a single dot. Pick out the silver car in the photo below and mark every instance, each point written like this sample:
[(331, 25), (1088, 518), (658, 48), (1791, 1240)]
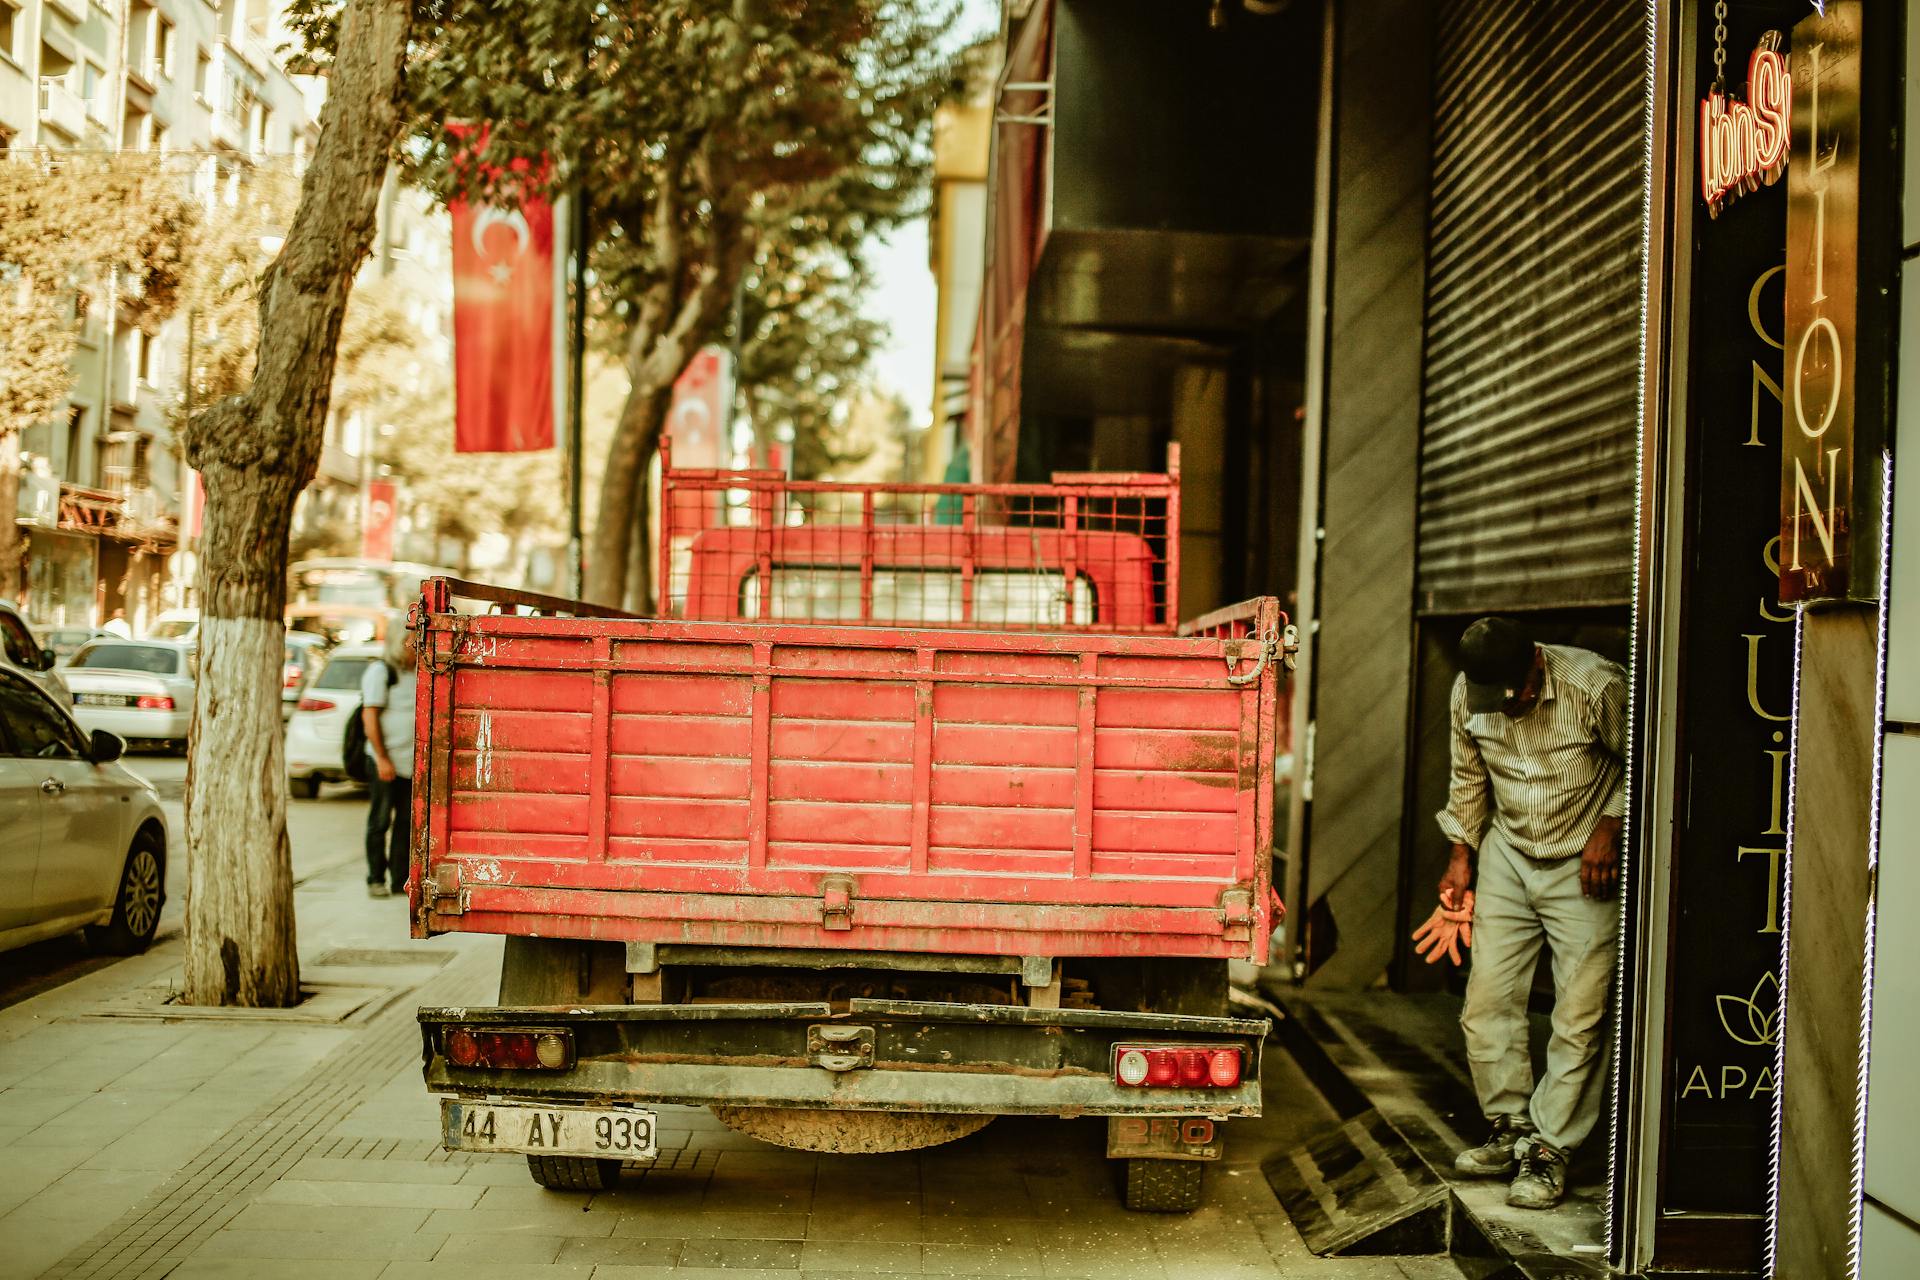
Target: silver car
[(139, 689), (83, 842), (20, 652)]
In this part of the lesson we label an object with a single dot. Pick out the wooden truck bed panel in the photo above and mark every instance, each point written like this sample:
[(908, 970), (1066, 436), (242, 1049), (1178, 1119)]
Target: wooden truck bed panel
[(802, 785)]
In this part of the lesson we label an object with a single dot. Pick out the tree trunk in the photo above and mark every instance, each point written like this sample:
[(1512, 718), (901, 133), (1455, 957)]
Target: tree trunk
[(256, 452), (617, 536)]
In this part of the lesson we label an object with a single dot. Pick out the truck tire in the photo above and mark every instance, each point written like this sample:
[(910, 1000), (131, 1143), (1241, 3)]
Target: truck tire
[(1163, 1186), (574, 1173)]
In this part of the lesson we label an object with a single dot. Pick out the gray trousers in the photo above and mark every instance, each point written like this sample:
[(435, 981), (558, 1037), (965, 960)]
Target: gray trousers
[(1519, 902)]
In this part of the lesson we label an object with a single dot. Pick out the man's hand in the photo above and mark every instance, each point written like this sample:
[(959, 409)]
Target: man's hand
[(384, 767), (1600, 860), (1445, 932), (1457, 878)]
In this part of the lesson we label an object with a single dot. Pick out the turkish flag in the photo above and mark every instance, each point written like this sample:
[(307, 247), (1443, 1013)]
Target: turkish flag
[(377, 521), (502, 317)]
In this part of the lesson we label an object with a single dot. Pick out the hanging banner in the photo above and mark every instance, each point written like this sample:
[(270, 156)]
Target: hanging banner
[(702, 411), (502, 318), (377, 521)]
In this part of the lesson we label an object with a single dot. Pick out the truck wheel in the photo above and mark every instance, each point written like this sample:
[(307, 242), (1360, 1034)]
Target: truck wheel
[(1163, 1186), (574, 1173)]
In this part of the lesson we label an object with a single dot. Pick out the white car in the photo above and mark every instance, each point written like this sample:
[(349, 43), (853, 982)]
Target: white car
[(175, 624), (139, 689), (83, 842), (317, 734)]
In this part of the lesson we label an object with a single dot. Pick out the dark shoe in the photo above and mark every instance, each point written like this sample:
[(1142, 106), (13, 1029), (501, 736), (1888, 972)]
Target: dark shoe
[(1494, 1157), (1542, 1179), (376, 889)]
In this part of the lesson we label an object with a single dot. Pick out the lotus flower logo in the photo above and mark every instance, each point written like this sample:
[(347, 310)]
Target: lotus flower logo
[(1754, 1018)]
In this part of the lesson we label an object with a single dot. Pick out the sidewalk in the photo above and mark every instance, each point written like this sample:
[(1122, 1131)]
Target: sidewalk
[(241, 1145)]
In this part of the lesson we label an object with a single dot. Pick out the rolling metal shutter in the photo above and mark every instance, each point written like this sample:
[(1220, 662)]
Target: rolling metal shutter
[(1533, 312)]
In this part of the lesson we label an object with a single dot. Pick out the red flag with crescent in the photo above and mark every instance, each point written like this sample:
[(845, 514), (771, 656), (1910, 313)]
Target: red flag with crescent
[(502, 318)]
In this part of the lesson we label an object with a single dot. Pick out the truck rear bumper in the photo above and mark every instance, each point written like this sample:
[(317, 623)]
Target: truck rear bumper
[(871, 1055)]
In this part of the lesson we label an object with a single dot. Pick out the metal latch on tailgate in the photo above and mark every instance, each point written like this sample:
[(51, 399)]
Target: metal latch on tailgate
[(839, 1048), (836, 903), (443, 890), (1236, 915)]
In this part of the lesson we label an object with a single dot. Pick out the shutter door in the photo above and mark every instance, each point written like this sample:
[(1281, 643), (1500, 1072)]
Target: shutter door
[(1533, 314)]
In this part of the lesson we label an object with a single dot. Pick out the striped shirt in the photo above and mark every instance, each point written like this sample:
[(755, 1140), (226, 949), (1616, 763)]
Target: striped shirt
[(1550, 776)]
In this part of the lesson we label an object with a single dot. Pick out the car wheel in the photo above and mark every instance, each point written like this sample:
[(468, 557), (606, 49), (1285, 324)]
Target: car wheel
[(574, 1173), (136, 908), (307, 788)]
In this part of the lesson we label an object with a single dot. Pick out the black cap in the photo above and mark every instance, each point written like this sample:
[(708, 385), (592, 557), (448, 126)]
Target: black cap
[(1496, 656)]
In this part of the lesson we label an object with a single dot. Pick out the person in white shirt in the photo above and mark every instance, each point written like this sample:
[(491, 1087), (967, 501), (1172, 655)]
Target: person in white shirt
[(386, 711)]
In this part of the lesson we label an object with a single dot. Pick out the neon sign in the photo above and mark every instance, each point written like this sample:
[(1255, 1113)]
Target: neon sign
[(1744, 144)]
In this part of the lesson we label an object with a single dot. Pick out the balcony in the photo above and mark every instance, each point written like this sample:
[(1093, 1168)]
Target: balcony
[(62, 109), (74, 10)]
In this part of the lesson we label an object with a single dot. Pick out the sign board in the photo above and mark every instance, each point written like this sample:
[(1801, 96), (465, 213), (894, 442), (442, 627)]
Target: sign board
[(1830, 474), (1743, 144)]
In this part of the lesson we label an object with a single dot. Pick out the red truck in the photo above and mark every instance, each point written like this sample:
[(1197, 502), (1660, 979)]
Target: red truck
[(915, 808)]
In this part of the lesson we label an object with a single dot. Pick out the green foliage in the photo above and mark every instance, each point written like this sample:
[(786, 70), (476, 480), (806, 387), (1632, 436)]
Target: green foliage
[(75, 228), (251, 209)]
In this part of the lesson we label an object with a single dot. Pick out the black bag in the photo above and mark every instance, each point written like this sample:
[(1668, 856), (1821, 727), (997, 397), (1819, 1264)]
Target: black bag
[(353, 747)]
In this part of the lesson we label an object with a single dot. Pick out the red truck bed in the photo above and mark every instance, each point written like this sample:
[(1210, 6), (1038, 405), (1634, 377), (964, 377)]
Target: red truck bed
[(776, 784)]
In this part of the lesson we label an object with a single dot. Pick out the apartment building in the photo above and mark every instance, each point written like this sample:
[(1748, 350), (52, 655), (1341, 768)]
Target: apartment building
[(104, 493)]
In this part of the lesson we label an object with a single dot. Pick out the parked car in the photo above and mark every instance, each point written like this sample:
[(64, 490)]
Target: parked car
[(175, 624), (24, 654), (139, 689), (66, 641), (318, 730), (306, 654), (83, 841)]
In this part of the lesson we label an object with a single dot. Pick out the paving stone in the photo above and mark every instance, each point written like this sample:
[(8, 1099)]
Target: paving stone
[(373, 1194), (617, 1272), (417, 1172), (627, 1251), (560, 1221), (494, 1270), (304, 1217), (283, 1269), (695, 1225), (981, 1260), (279, 1246), (492, 1247), (736, 1254), (882, 1228), (859, 1255)]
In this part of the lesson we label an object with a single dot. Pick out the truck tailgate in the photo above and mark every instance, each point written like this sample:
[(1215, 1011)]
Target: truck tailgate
[(767, 784)]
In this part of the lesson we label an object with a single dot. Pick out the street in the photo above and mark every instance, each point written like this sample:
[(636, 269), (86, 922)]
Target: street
[(146, 1139)]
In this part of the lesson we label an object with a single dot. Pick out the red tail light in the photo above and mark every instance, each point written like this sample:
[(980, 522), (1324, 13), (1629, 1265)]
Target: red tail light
[(1176, 1067), (292, 680), (151, 702), (317, 704), (509, 1050)]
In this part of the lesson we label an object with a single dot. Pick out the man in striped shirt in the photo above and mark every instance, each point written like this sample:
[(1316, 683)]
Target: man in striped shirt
[(1537, 797)]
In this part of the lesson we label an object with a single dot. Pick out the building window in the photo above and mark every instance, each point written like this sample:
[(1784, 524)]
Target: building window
[(90, 78), (161, 136), (10, 27), (76, 441), (203, 76), (143, 358), (164, 42)]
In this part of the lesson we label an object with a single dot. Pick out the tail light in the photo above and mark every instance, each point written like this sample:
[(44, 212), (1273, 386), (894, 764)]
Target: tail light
[(292, 680), (509, 1050), (1176, 1067), (317, 704), (153, 702)]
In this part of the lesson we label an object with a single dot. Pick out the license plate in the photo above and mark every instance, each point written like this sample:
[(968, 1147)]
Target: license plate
[(614, 1133), (99, 700), (1165, 1137)]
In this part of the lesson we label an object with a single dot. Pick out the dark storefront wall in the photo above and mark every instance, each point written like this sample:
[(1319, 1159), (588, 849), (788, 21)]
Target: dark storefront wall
[(1481, 416)]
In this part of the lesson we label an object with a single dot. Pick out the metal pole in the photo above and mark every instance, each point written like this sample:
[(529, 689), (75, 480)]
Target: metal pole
[(576, 399), (183, 475)]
